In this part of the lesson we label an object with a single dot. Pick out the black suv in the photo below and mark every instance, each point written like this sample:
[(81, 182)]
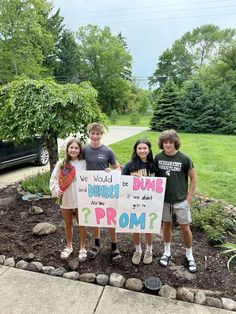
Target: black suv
[(31, 150)]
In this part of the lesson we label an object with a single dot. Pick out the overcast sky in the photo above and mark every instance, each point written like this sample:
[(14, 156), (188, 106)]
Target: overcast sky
[(150, 26)]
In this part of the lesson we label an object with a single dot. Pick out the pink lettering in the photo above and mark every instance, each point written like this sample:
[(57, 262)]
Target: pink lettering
[(100, 213), (136, 183), (111, 214), (148, 184), (159, 188)]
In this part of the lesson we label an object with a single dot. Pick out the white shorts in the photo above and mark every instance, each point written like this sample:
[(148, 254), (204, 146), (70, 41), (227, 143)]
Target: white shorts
[(181, 210)]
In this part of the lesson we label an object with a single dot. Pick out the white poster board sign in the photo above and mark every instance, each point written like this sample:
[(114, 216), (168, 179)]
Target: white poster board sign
[(98, 193), (140, 204)]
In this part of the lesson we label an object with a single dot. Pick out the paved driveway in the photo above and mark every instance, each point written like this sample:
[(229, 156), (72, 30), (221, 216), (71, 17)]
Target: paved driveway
[(17, 173)]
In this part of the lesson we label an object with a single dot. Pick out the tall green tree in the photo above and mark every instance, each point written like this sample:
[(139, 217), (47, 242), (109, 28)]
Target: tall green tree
[(223, 101), (166, 108), (227, 68), (208, 110), (197, 110), (175, 64), (68, 64), (104, 62), (27, 38), (54, 25), (190, 52), (30, 107)]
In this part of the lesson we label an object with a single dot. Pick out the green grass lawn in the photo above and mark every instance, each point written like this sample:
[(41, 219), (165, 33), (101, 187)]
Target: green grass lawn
[(214, 158), (124, 120)]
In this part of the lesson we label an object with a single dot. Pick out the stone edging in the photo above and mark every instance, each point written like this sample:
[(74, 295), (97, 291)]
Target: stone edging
[(202, 297)]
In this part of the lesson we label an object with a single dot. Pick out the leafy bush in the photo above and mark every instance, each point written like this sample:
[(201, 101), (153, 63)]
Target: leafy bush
[(215, 235), (214, 221), (114, 116), (134, 118), (37, 184)]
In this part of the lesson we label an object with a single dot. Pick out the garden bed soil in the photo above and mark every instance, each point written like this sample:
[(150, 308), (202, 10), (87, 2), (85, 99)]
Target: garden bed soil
[(17, 240)]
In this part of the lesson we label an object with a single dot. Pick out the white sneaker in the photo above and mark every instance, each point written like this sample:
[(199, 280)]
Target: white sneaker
[(82, 255), (66, 253), (136, 259), (147, 259)]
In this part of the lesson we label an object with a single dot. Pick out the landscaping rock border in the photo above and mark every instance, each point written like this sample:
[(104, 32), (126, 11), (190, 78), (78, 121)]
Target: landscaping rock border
[(198, 296)]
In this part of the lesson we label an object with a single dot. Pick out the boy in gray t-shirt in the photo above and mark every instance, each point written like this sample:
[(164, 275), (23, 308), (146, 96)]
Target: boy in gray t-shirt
[(101, 157)]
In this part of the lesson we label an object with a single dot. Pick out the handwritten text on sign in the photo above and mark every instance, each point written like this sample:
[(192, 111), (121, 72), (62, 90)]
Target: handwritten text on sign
[(98, 193), (140, 204)]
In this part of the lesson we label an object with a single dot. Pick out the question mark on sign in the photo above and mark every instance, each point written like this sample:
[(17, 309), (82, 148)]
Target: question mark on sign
[(86, 212), (153, 216)]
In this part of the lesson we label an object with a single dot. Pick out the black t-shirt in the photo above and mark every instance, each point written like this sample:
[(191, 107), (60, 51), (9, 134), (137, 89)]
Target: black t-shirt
[(175, 169), (143, 169)]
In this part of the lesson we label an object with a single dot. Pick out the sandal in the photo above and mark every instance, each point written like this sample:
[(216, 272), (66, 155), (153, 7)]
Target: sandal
[(82, 255), (116, 258), (192, 266), (66, 253), (164, 260), (93, 252)]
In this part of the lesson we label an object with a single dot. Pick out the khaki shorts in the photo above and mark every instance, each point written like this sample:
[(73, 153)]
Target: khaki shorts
[(181, 210)]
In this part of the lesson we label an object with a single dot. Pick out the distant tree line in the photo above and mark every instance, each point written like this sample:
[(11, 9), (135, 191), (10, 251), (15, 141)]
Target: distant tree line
[(195, 79)]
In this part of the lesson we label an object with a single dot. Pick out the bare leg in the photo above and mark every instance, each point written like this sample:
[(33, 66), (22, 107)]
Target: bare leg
[(187, 235), (67, 215), (82, 232), (137, 238), (149, 238), (96, 232), (166, 231), (82, 235), (112, 233)]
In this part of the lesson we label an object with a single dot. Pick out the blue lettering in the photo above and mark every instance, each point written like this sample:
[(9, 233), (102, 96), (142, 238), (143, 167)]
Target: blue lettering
[(90, 190), (124, 220), (135, 222), (111, 191)]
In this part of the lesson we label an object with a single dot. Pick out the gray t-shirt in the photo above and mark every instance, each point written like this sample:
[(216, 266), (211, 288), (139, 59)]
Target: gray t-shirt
[(98, 158)]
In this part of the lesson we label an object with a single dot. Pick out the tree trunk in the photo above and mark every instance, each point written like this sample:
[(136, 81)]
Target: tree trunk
[(53, 151)]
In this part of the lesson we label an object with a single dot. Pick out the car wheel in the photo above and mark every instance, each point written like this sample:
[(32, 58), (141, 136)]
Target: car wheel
[(43, 156)]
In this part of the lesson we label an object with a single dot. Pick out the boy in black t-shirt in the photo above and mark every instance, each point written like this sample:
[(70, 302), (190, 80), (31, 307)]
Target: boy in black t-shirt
[(176, 167)]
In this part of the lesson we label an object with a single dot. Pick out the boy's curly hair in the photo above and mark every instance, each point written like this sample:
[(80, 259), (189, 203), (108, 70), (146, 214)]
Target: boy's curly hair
[(169, 135)]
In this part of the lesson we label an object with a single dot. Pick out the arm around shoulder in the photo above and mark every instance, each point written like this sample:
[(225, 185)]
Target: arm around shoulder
[(125, 170), (116, 166)]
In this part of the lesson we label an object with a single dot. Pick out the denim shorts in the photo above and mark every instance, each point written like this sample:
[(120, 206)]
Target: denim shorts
[(181, 210)]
